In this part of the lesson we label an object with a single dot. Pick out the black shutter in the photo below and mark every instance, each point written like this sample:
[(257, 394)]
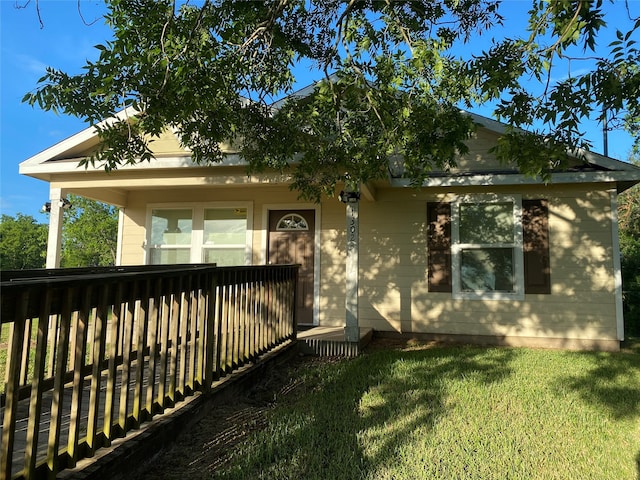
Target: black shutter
[(535, 229), (439, 247)]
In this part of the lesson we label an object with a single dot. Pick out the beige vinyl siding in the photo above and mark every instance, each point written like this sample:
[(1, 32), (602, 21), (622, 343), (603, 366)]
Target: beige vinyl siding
[(393, 267), (478, 158), (394, 294), (332, 263), (167, 144), (136, 212), (133, 235)]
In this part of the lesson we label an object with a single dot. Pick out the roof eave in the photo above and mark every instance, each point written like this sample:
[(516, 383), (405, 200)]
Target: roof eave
[(76, 139), (622, 179)]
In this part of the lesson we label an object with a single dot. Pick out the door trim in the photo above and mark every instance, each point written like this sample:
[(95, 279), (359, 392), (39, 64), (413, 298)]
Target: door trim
[(266, 208)]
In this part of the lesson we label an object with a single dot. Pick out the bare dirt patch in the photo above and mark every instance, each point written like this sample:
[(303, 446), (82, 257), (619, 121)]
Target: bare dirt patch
[(211, 443)]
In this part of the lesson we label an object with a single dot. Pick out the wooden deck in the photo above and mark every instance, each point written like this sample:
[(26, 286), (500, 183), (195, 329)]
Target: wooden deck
[(45, 415), (330, 342), (321, 341), (93, 356), (23, 413)]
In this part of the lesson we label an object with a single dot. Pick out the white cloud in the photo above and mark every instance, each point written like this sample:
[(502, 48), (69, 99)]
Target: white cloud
[(573, 74), (30, 64), (4, 205)]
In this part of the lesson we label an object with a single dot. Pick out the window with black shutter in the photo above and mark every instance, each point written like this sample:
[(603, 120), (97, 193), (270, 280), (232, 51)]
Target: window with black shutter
[(535, 232), (489, 247), (439, 246)]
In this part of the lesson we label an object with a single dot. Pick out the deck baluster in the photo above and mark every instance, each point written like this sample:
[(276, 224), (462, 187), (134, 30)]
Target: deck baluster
[(114, 346)]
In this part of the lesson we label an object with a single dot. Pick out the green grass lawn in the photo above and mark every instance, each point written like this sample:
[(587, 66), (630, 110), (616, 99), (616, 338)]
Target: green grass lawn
[(4, 347), (421, 412)]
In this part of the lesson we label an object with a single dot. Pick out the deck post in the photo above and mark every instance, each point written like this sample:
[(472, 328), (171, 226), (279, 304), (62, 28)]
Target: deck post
[(351, 329), (130, 316)]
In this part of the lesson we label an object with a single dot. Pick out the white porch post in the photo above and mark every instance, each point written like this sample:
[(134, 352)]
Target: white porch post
[(55, 227), (118, 260), (352, 330), (617, 267)]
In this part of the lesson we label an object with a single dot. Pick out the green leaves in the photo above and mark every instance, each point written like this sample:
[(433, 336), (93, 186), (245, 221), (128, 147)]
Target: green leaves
[(534, 153), (89, 234), (629, 223), (394, 79), (23, 242)]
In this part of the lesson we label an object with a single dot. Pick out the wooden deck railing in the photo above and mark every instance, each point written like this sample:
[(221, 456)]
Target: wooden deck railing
[(94, 353)]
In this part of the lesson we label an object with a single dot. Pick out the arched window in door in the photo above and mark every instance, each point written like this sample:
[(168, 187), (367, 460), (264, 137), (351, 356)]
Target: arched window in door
[(292, 222)]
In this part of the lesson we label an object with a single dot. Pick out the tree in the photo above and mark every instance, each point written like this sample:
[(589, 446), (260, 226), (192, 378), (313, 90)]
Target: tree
[(394, 77), (23, 242), (89, 234), (629, 222)]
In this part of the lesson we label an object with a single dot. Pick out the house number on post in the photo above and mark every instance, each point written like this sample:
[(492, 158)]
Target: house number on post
[(353, 227), (352, 331)]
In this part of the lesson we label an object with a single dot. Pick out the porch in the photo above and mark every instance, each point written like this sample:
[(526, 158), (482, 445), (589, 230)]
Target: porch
[(329, 341)]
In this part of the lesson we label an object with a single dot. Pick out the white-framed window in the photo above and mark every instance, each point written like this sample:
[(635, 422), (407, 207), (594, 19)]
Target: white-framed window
[(486, 248), (217, 233), (170, 235), (225, 236)]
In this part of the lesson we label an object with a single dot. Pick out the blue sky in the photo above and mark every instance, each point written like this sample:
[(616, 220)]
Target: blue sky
[(65, 41), (26, 49)]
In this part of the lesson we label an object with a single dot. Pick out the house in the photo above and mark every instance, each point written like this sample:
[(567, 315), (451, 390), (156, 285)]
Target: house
[(481, 254)]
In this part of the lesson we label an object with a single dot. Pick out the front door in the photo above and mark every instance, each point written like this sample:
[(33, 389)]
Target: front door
[(291, 240)]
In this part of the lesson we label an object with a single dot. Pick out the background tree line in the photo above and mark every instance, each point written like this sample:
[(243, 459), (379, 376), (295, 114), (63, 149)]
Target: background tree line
[(89, 237), (629, 223)]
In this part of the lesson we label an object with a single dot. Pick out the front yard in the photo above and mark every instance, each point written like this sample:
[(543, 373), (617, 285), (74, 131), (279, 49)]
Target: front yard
[(420, 411)]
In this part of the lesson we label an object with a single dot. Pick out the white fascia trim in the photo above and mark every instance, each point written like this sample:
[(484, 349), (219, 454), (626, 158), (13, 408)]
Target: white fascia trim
[(605, 162), (72, 165), (76, 139), (489, 179), (617, 267)]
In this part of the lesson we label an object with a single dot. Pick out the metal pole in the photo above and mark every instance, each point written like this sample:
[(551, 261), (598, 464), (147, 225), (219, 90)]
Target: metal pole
[(605, 133)]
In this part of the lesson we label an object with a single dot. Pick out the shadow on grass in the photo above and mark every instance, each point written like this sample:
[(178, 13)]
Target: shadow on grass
[(611, 384), (317, 436)]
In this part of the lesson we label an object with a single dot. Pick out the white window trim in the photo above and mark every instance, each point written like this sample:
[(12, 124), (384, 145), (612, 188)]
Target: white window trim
[(197, 228), (457, 247)]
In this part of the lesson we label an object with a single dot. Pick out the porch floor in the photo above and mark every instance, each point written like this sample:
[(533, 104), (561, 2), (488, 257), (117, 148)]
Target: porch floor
[(330, 342)]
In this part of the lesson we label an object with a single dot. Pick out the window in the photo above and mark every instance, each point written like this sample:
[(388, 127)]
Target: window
[(170, 236), (225, 236), (208, 234), (489, 247)]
